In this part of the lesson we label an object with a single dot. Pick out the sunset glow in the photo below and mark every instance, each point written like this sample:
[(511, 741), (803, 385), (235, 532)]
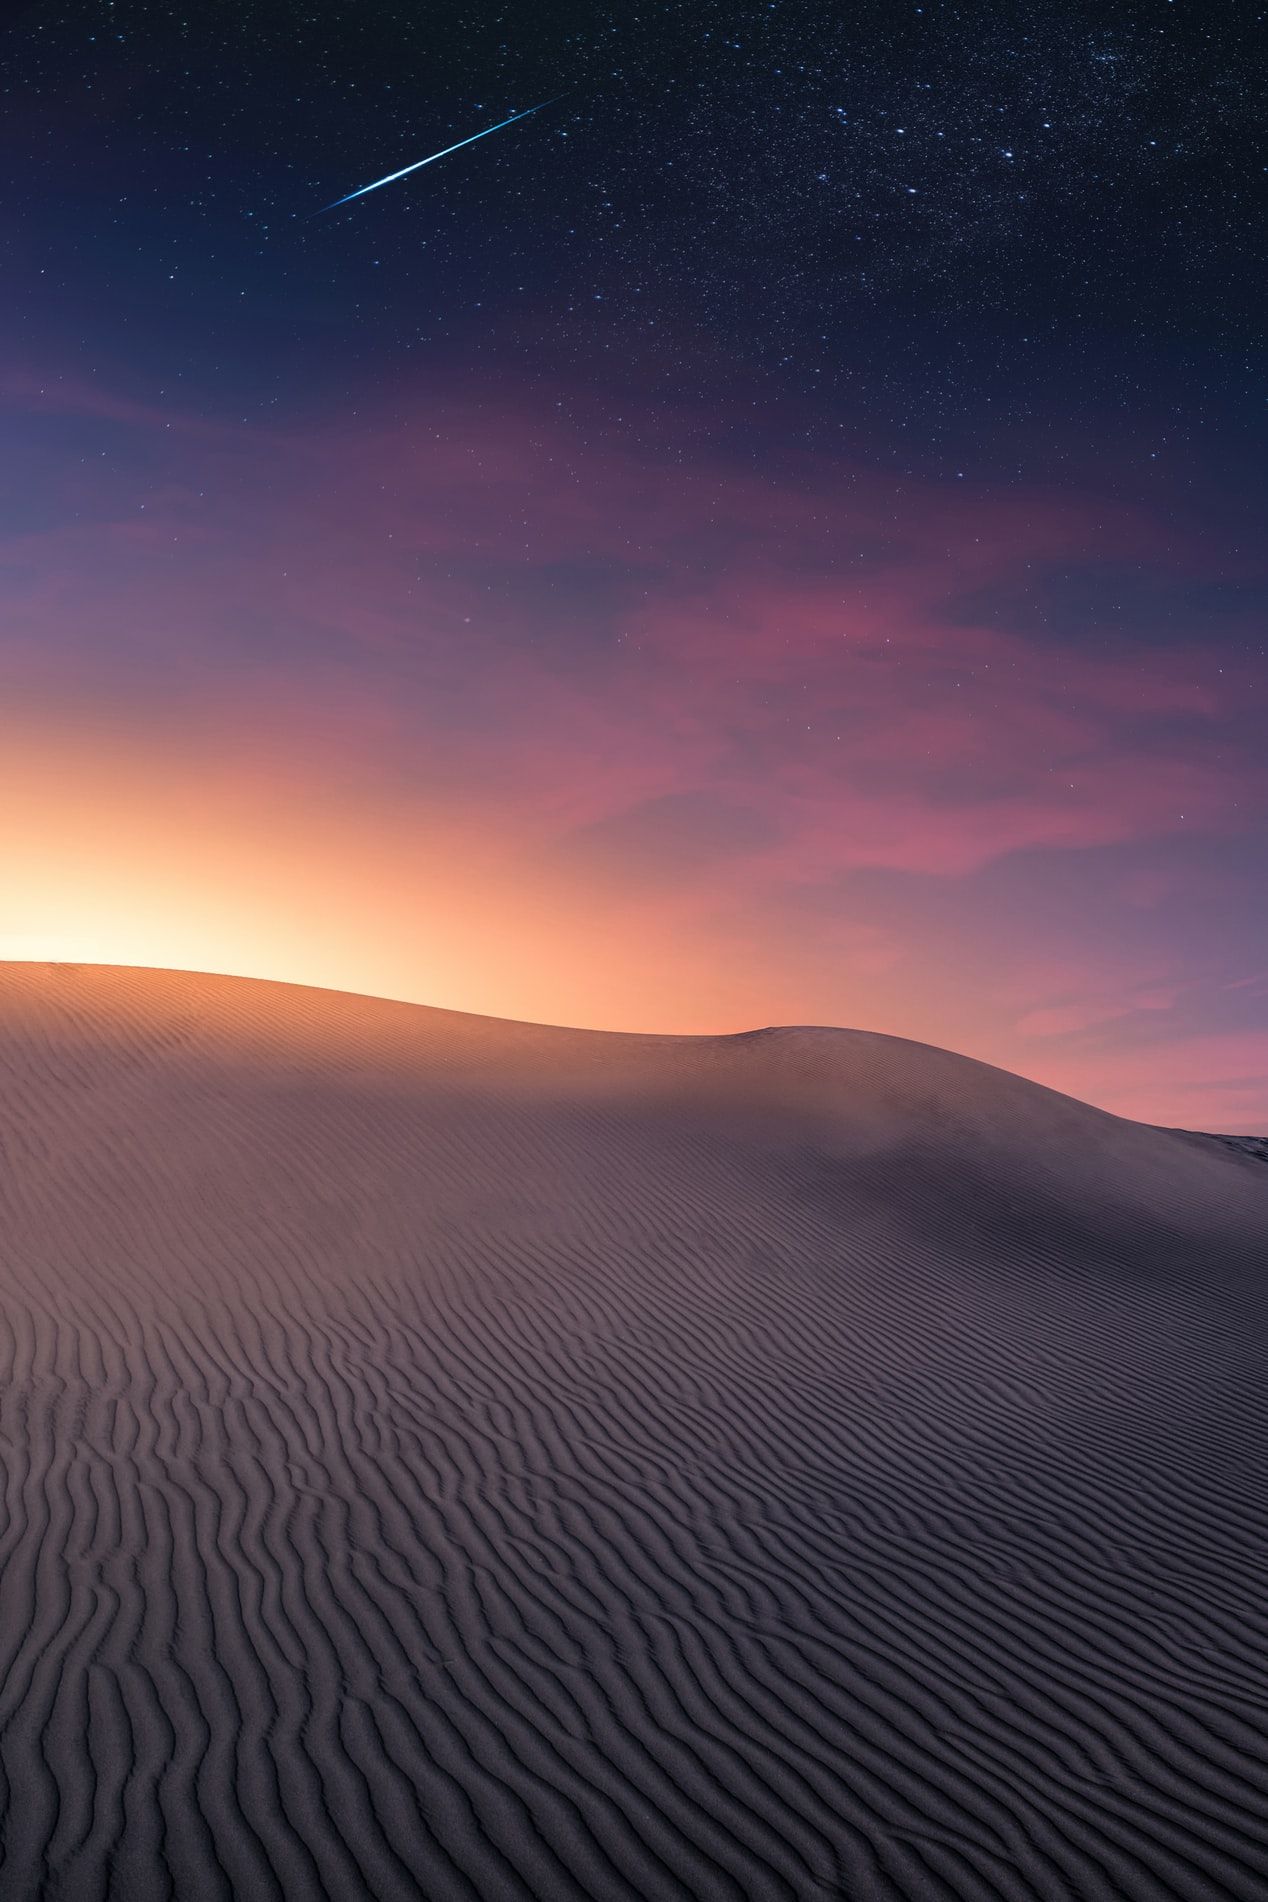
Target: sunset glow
[(643, 572), (511, 745)]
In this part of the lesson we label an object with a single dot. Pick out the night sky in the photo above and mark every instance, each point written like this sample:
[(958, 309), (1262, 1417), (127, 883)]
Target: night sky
[(776, 535)]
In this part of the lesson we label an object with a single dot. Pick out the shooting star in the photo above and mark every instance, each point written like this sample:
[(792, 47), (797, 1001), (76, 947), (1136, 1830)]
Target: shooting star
[(431, 160)]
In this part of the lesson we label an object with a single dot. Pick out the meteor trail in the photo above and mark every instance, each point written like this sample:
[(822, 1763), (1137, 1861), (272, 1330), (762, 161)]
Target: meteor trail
[(393, 176)]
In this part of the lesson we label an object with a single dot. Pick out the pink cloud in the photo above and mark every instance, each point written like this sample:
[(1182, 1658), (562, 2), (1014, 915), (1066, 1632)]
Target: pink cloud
[(546, 631), (875, 731), (878, 732), (1061, 1020), (1213, 1081)]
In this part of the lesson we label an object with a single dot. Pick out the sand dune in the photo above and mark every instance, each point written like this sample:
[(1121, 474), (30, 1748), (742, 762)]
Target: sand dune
[(462, 1459)]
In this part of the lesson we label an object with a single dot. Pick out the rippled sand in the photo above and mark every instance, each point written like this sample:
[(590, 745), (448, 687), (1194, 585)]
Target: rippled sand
[(458, 1459)]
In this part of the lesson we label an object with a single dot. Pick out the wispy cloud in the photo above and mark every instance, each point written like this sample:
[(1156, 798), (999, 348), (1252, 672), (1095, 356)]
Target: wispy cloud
[(686, 685)]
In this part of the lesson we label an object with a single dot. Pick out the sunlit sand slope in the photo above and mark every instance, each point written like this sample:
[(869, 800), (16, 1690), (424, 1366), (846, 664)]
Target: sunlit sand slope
[(461, 1459)]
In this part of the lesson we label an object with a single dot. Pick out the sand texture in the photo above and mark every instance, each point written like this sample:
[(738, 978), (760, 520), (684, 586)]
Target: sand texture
[(467, 1460)]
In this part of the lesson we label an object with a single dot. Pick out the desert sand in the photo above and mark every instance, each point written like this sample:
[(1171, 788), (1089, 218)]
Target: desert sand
[(470, 1460)]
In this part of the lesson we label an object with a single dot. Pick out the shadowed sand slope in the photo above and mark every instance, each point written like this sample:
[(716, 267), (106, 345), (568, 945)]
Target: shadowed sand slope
[(467, 1460)]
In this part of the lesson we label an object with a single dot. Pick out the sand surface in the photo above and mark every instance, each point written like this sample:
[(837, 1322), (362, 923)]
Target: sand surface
[(455, 1459)]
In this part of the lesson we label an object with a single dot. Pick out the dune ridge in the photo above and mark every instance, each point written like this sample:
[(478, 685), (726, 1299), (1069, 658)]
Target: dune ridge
[(462, 1459)]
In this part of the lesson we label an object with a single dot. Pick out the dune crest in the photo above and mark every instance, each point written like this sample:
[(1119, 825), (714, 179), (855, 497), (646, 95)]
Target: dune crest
[(465, 1459)]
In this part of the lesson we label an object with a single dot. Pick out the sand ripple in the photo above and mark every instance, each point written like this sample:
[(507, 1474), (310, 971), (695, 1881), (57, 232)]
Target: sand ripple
[(453, 1459)]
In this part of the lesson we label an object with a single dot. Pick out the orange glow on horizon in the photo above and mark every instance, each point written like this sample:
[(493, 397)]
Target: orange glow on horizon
[(118, 856), (130, 851)]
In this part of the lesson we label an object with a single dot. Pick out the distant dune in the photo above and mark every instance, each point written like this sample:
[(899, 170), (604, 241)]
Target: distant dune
[(468, 1460)]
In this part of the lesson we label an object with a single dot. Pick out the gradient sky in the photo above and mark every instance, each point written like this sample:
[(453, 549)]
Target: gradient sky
[(776, 536)]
